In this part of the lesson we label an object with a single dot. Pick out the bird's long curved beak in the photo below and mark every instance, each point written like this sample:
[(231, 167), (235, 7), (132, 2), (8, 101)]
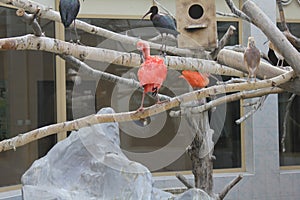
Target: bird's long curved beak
[(146, 14)]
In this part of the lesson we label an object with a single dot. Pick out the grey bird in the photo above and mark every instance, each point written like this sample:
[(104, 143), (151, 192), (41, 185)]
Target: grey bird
[(251, 58)]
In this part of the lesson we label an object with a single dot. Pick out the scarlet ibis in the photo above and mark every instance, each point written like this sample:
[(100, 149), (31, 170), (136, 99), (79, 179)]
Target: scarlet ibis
[(68, 10), (195, 79), (251, 58), (152, 72), (163, 23)]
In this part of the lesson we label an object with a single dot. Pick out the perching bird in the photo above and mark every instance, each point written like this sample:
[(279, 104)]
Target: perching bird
[(163, 23), (152, 72), (277, 54), (68, 10), (195, 79), (251, 58)]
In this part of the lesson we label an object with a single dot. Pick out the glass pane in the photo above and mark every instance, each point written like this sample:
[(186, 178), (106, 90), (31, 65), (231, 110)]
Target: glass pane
[(27, 97), (96, 94), (291, 156)]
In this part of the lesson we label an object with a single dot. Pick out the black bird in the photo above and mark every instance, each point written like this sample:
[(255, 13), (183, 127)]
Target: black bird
[(68, 10), (163, 23)]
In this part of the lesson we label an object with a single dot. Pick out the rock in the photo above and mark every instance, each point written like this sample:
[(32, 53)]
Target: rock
[(89, 164), (193, 194)]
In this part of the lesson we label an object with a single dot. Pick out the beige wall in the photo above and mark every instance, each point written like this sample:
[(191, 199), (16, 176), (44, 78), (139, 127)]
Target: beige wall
[(132, 8)]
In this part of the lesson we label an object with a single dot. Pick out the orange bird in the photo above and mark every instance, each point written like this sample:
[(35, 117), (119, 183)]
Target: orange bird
[(195, 79), (152, 72)]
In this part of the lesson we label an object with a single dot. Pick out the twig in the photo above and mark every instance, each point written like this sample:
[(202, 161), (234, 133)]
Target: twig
[(282, 17), (76, 124), (225, 191), (236, 11), (184, 180), (287, 113), (228, 98), (258, 105), (31, 20), (85, 69), (226, 14), (223, 41)]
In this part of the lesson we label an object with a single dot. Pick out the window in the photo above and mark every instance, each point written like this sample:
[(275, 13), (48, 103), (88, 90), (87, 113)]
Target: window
[(135, 139), (291, 156), (27, 97)]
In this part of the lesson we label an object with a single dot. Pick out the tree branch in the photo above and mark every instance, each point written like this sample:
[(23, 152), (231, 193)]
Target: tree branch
[(236, 60), (287, 112), (31, 20), (76, 124), (223, 41), (47, 13), (282, 17), (255, 107), (226, 14), (236, 11), (30, 42), (184, 180), (225, 191), (263, 22), (228, 98)]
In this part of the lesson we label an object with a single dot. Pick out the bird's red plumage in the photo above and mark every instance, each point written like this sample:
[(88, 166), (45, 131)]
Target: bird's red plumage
[(196, 79), (152, 73)]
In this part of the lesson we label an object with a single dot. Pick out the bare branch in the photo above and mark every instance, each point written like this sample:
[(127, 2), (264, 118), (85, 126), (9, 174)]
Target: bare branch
[(31, 20), (76, 124), (223, 41), (227, 14), (258, 105), (225, 191), (236, 11), (282, 17), (287, 113), (229, 98), (184, 180), (264, 23), (47, 13), (30, 42)]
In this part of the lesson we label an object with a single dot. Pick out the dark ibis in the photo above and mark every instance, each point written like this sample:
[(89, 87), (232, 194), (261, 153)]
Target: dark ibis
[(163, 23), (68, 10), (252, 58), (278, 55), (196, 79), (152, 72)]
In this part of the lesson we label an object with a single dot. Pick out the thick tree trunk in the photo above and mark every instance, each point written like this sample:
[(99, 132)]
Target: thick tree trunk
[(200, 152)]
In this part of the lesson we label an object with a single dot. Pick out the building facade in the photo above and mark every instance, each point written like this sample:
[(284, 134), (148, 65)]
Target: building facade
[(39, 88)]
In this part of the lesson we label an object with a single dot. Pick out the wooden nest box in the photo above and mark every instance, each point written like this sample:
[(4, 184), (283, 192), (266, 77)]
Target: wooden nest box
[(196, 22)]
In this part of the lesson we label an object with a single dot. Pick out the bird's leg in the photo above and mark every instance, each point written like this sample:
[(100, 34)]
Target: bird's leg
[(77, 38), (162, 43), (141, 108), (278, 60), (70, 35), (248, 79)]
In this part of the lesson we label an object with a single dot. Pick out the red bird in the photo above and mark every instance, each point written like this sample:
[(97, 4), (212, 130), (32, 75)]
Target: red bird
[(152, 72), (195, 79)]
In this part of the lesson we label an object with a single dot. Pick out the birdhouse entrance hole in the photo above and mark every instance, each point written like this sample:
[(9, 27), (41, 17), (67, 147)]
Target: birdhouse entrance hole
[(196, 11)]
